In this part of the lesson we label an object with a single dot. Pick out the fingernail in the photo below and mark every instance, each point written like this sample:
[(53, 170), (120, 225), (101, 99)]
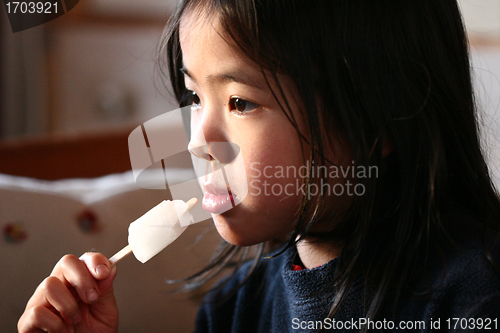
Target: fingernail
[(102, 270), (77, 319), (92, 295)]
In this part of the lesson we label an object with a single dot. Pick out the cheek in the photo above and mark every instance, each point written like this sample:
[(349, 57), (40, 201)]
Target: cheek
[(272, 156), (274, 171)]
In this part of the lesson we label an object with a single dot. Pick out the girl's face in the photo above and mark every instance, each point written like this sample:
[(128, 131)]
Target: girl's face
[(234, 104)]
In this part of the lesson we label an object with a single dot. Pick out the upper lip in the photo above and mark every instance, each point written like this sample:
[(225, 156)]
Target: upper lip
[(214, 189)]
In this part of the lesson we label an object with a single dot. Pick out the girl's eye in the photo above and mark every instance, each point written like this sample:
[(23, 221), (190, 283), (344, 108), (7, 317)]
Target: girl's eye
[(240, 105), (191, 98)]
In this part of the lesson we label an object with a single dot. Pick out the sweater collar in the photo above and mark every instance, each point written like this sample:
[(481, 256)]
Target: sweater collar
[(307, 283)]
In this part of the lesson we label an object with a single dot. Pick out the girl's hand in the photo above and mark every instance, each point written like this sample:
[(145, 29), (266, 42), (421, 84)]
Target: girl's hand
[(76, 297)]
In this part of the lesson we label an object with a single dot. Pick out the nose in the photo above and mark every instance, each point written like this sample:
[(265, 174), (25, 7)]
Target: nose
[(199, 147), (206, 127), (209, 138)]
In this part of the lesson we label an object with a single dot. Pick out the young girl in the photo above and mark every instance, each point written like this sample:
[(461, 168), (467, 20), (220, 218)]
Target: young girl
[(395, 224)]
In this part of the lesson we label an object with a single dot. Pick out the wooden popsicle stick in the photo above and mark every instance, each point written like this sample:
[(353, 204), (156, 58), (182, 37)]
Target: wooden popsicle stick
[(120, 255), (127, 249), (191, 203)]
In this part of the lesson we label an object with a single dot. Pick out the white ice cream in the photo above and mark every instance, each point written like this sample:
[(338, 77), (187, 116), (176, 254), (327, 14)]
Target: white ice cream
[(159, 227)]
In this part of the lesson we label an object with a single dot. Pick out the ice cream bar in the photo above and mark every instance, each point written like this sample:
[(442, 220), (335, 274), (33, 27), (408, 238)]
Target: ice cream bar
[(156, 229)]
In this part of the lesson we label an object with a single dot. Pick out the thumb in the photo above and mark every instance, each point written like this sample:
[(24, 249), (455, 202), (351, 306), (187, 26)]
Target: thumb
[(102, 271), (105, 286), (105, 309)]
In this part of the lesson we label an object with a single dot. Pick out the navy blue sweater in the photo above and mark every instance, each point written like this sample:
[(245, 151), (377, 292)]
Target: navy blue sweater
[(279, 299)]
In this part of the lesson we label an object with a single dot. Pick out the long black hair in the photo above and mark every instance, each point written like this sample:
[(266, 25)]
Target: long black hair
[(376, 74)]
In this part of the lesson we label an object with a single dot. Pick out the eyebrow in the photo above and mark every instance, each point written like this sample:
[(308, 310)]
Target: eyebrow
[(231, 76)]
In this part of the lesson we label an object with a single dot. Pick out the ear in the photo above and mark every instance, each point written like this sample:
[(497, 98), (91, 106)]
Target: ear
[(388, 146)]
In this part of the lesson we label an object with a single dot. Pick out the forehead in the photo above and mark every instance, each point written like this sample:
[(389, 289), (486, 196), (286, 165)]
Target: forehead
[(195, 21), (208, 54), (200, 31)]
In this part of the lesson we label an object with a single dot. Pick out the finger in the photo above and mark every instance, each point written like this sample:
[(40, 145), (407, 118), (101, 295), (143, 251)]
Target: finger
[(75, 273), (97, 264), (61, 299), (40, 318), (100, 267), (105, 286)]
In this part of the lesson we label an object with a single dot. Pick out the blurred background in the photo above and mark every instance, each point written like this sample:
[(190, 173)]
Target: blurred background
[(71, 91), (91, 69)]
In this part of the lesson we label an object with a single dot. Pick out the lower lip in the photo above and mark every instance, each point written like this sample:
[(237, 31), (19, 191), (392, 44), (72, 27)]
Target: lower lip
[(216, 203)]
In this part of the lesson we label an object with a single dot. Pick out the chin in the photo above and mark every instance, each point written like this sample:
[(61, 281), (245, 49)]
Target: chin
[(236, 232)]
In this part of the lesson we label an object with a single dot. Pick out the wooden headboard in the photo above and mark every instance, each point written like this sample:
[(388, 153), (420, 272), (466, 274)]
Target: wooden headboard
[(67, 156)]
